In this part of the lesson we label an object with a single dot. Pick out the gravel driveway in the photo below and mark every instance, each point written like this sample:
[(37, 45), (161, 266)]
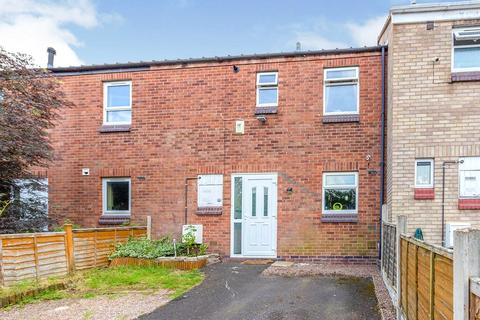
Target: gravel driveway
[(234, 291), (118, 307)]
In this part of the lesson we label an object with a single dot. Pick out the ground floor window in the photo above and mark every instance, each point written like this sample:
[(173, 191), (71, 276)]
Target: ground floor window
[(340, 191), (424, 173), (116, 195)]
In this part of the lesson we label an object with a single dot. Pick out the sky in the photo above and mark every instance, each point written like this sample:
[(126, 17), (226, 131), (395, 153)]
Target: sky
[(110, 31)]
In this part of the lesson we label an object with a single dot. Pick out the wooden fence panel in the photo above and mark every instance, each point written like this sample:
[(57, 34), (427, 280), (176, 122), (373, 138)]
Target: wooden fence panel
[(474, 312), (43, 255), (389, 253), (32, 256), (443, 298), (93, 246), (426, 280)]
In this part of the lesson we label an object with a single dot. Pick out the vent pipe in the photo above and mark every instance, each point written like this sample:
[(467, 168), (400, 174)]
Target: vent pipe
[(51, 55)]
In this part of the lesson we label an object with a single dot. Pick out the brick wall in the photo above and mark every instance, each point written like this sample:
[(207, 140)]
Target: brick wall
[(429, 117), (183, 125)]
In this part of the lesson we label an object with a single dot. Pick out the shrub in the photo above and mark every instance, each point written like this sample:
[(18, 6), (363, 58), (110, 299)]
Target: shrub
[(60, 228), (151, 249), (144, 248)]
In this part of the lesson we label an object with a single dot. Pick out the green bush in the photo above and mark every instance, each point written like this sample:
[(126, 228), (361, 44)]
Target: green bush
[(60, 228), (144, 248), (151, 249)]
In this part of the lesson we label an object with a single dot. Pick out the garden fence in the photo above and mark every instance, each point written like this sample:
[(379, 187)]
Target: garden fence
[(434, 282), (389, 252), (47, 254), (426, 280)]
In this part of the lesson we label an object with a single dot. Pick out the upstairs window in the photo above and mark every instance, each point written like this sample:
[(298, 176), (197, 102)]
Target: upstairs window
[(117, 102), (424, 173), (267, 89), (340, 91), (116, 195), (340, 191), (466, 49), (469, 171)]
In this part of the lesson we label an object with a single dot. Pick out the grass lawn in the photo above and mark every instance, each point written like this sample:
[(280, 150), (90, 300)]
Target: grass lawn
[(112, 281)]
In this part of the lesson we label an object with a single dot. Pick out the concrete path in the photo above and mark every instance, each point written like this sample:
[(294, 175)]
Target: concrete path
[(233, 291)]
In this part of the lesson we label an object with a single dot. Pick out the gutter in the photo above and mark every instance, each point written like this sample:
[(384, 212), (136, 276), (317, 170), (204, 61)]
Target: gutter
[(382, 151), (148, 64)]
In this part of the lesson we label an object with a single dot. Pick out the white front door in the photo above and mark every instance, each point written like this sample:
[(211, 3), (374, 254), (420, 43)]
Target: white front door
[(254, 215)]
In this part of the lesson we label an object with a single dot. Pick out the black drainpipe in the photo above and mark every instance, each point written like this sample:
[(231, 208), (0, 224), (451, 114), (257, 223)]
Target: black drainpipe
[(186, 198), (382, 152)]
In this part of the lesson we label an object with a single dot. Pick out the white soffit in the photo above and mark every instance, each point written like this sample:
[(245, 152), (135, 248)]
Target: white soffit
[(465, 10)]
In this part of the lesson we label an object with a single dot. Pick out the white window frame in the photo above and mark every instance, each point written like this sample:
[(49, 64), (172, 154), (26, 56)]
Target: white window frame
[(104, 195), (338, 82), (106, 108), (454, 32), (324, 186), (267, 86), (432, 171), (468, 168)]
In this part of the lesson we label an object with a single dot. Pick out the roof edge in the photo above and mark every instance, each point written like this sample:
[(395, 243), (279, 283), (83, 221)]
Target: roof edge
[(142, 65), (432, 7)]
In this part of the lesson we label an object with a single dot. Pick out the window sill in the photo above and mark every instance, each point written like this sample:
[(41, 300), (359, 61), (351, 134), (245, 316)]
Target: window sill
[(468, 204), (209, 211), (266, 110), (424, 194), (339, 217), (113, 219), (114, 128), (465, 76), (341, 118)]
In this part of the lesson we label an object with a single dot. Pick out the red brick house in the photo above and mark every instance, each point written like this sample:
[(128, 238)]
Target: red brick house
[(276, 155)]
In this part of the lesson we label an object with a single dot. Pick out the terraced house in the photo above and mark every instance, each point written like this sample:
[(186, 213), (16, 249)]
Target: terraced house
[(275, 155), (433, 162)]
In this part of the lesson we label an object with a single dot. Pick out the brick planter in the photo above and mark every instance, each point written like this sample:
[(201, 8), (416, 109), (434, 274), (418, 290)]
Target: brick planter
[(182, 263)]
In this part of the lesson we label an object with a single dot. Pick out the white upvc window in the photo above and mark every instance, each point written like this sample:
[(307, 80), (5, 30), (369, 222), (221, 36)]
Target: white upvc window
[(341, 93), (424, 173), (210, 190), (267, 89), (117, 102), (117, 195), (469, 177), (466, 49), (340, 192)]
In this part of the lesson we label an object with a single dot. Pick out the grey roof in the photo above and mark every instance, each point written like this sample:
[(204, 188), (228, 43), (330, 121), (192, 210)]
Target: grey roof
[(144, 65)]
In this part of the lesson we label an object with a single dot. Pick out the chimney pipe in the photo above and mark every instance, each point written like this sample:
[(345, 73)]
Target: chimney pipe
[(51, 55), (299, 46)]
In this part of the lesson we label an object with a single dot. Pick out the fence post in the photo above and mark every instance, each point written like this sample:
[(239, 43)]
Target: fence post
[(35, 256), (2, 276), (401, 228), (68, 228), (466, 263), (149, 227)]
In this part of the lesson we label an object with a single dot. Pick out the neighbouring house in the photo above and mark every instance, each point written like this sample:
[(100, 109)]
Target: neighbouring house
[(433, 144), (275, 155)]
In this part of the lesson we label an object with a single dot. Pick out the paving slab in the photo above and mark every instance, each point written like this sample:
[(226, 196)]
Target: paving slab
[(282, 264)]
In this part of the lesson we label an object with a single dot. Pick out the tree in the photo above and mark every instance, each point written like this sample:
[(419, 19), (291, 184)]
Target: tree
[(30, 100)]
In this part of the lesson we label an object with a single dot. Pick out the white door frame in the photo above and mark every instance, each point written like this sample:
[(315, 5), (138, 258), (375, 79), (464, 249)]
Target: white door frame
[(274, 219)]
